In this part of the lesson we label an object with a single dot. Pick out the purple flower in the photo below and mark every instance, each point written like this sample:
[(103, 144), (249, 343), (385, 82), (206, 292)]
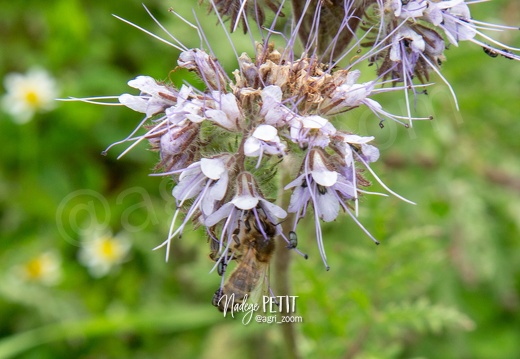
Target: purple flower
[(311, 131), (154, 98), (322, 186), (207, 182), (264, 139)]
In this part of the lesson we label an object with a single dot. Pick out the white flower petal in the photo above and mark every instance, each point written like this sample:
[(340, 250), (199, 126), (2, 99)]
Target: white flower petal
[(271, 93), (325, 177), (220, 118), (245, 202), (188, 187), (145, 84), (370, 152), (272, 208), (265, 133), (328, 206), (229, 105), (395, 50), (414, 9), (320, 174), (353, 77), (295, 182), (212, 167), (357, 139), (252, 147), (313, 121), (136, 103), (299, 196), (218, 190), (219, 214)]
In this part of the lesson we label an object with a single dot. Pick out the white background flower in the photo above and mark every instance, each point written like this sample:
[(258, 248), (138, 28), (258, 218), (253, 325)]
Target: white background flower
[(101, 251), (44, 268), (28, 94)]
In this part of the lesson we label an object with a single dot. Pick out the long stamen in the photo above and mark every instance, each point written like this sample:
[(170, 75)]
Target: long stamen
[(149, 33)]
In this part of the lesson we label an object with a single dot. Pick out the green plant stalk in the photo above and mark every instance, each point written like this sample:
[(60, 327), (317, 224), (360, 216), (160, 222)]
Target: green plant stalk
[(183, 318), (282, 261)]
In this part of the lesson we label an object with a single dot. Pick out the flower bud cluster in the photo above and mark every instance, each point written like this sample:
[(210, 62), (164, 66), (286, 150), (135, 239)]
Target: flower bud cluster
[(412, 35)]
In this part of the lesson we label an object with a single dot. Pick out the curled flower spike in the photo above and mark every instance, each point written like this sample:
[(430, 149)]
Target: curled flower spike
[(407, 37)]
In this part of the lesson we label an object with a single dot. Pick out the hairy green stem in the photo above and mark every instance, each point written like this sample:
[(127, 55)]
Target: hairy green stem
[(282, 261)]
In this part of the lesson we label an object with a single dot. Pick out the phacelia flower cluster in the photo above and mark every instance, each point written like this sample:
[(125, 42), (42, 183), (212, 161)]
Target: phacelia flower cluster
[(222, 146), (225, 145)]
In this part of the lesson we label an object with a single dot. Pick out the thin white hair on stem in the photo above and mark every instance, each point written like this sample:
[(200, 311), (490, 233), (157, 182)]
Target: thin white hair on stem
[(380, 181), (434, 68), (149, 33), (397, 88), (164, 29), (493, 27), (201, 45), (351, 48), (295, 29), (378, 47), (502, 52), (201, 32), (498, 43), (468, 24), (250, 34), (372, 193), (406, 97), (240, 13), (187, 218), (471, 2), (169, 173), (92, 100), (354, 184), (221, 22), (138, 140), (271, 30), (319, 234), (360, 225), (381, 15), (319, 238), (129, 137), (344, 26), (395, 118), (312, 41)]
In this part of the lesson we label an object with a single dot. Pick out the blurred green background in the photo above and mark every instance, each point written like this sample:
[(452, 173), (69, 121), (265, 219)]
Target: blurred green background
[(444, 283)]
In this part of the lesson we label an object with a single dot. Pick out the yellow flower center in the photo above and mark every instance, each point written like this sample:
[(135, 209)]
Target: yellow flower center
[(33, 99), (109, 249), (35, 268)]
